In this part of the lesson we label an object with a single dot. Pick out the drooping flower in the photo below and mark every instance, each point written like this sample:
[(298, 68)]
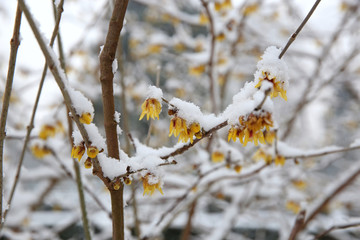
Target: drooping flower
[(40, 151), (293, 206), (261, 154), (279, 160), (278, 87), (88, 163), (92, 151), (86, 118), (237, 168), (178, 127), (150, 184), (78, 151), (151, 107)]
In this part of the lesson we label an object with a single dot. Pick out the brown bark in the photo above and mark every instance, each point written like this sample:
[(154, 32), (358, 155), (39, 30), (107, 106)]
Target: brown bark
[(107, 57)]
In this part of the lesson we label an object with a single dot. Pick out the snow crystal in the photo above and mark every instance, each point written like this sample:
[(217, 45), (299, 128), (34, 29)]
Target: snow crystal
[(154, 92)]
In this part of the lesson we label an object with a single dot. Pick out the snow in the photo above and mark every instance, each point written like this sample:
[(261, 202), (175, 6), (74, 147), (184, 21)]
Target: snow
[(95, 137), (114, 66), (154, 92), (80, 103), (271, 63)]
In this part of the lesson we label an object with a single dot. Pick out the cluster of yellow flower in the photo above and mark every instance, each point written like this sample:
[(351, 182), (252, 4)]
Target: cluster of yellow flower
[(149, 186), (278, 87), (251, 129), (79, 150), (178, 127)]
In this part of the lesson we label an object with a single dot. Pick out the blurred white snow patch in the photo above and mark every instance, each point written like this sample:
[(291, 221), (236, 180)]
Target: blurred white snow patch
[(117, 117), (114, 66), (77, 138), (154, 92), (101, 49), (355, 143)]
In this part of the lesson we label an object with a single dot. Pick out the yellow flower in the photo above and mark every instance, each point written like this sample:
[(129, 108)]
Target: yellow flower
[(127, 181), (78, 151), (179, 128), (197, 70), (40, 151), (250, 129), (47, 131), (279, 160), (261, 154), (92, 151), (250, 9), (149, 186), (293, 206), (222, 5), (237, 168), (156, 48), (299, 184), (278, 87), (217, 157), (177, 125), (86, 118), (269, 136), (203, 19), (151, 107), (117, 185), (220, 37), (88, 163)]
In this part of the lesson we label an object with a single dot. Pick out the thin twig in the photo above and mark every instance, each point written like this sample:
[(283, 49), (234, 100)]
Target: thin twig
[(212, 55), (31, 124), (14, 45), (298, 30), (325, 53), (335, 227), (319, 154)]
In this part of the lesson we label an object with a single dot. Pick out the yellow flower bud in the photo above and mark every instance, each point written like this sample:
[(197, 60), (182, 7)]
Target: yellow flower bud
[(92, 151)]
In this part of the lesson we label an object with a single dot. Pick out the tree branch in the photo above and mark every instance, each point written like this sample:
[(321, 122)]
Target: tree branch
[(14, 45)]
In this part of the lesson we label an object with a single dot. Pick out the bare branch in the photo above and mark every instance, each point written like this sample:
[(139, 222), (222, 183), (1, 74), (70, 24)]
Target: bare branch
[(14, 43), (298, 30)]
